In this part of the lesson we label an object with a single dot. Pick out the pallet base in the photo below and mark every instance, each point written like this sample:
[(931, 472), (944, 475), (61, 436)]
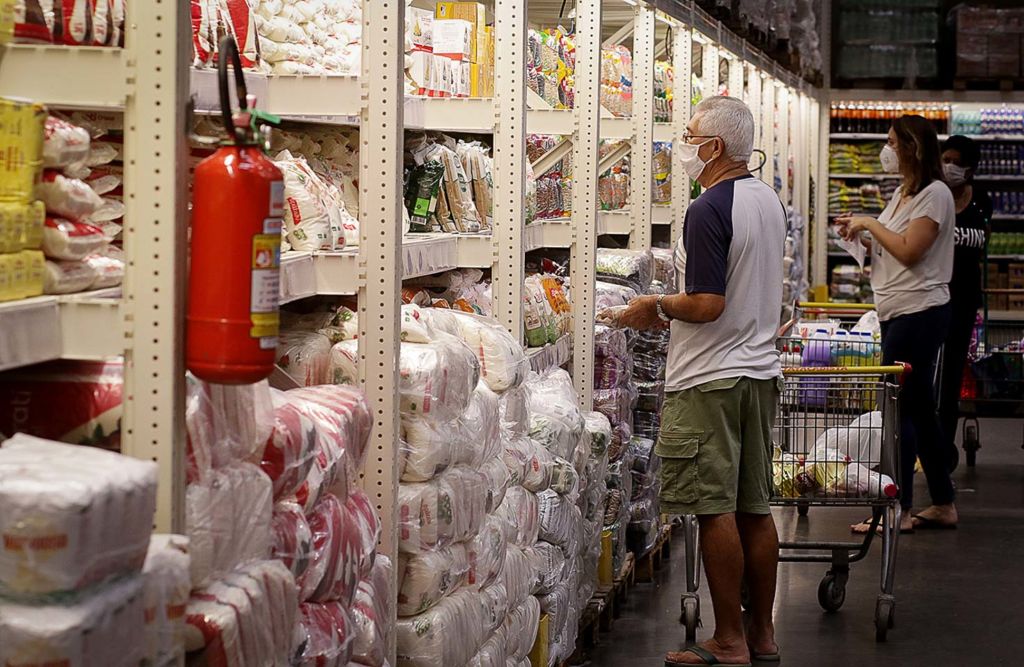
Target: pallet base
[(652, 561)]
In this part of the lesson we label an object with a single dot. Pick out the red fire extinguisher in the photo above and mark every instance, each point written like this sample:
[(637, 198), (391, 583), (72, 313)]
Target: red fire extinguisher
[(237, 205)]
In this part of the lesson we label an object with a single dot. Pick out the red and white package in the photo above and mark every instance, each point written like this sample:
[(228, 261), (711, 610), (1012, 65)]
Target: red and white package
[(327, 633), (240, 22), (348, 408), (76, 21), (371, 614), (64, 144), (102, 23), (34, 21), (291, 450), (292, 538), (368, 523), (70, 239), (88, 394), (108, 267), (204, 17), (334, 568), (67, 197), (107, 180)]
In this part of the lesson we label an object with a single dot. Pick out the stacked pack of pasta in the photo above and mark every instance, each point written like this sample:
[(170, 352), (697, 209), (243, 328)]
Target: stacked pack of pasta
[(81, 580), (464, 580), (283, 542)]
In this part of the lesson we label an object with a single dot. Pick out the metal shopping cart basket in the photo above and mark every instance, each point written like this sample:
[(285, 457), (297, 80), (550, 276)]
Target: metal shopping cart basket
[(836, 439)]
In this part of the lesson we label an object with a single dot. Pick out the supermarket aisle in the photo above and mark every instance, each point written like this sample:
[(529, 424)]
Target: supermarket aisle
[(949, 586)]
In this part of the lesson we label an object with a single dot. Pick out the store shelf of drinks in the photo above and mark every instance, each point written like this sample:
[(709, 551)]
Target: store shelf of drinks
[(1008, 217), (873, 136), (853, 176), (1006, 316), (80, 326)]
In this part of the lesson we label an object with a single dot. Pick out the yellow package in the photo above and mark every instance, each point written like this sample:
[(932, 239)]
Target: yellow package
[(21, 148), (19, 275), (35, 270), (21, 225), (6, 294)]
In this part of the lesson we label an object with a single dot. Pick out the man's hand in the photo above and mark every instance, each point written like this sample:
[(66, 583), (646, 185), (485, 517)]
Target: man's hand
[(641, 314)]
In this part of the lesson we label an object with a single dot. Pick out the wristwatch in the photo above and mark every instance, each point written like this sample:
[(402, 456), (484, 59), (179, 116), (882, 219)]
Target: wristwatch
[(662, 315)]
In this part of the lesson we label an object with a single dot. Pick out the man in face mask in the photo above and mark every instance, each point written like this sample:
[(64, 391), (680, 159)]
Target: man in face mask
[(723, 378)]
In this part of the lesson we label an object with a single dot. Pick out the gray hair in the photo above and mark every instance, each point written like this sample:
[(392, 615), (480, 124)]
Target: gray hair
[(730, 119)]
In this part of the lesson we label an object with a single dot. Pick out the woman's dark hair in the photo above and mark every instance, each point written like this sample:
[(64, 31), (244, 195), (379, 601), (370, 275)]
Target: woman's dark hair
[(970, 154), (920, 159)]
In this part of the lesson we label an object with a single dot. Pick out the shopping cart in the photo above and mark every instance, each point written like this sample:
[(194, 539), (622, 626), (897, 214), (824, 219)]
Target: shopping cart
[(837, 445)]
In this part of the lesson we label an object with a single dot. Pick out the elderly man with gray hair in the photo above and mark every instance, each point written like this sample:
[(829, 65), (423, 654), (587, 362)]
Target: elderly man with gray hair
[(723, 379)]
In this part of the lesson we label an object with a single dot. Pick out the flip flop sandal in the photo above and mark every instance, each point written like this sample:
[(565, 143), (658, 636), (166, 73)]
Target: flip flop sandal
[(878, 529), (708, 659), (766, 657), (924, 523)]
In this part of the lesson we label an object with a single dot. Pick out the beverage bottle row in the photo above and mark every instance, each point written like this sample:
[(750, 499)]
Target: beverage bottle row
[(876, 118), (1007, 203), (1005, 243), (1004, 120), (1001, 159)]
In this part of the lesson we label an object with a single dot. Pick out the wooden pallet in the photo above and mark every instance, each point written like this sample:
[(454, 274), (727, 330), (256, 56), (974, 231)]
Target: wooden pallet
[(1003, 84), (652, 561)]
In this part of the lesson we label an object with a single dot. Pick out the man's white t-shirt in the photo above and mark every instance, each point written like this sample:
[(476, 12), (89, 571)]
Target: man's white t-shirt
[(732, 244), (902, 290)]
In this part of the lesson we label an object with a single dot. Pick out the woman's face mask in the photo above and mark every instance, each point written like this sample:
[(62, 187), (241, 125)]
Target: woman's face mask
[(955, 174), (890, 159)]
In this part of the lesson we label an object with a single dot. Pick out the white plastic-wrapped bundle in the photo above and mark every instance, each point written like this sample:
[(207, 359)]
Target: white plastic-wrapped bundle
[(520, 575), (427, 577), (225, 423), (228, 515), (555, 419), (372, 613), (166, 588), (520, 515), (104, 628), (486, 554), (517, 452), (292, 540), (438, 379), (493, 652), (307, 224), (498, 482), (861, 441), (521, 628), (345, 536), (550, 563), (482, 428), (560, 519), (514, 409), (494, 599), (428, 447), (503, 362), (71, 516), (449, 508), (450, 633), (305, 356), (246, 618), (634, 268)]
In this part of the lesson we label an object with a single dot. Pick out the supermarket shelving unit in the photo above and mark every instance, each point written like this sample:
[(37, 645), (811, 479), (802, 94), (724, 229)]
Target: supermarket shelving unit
[(150, 80)]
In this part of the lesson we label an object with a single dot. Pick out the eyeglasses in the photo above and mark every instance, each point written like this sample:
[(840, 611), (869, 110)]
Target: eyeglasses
[(687, 136)]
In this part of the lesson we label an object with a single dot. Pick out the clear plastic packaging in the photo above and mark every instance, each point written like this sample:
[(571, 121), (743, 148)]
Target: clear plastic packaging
[(521, 628), (228, 518), (166, 588), (486, 553), (550, 562), (104, 628), (65, 144), (482, 428), (245, 619), (450, 633), (70, 516), (372, 614), (634, 268), (617, 404), (305, 356), (520, 577), (447, 509), (71, 240), (424, 579), (61, 277), (225, 423), (343, 548), (556, 421), (328, 633), (503, 362), (520, 514), (292, 541), (513, 405), (560, 519)]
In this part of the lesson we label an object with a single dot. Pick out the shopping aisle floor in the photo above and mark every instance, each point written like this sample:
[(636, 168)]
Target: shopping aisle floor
[(960, 594)]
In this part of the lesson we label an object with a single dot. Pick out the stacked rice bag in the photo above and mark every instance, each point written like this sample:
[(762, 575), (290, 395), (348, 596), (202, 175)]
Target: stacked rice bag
[(81, 190), (76, 584)]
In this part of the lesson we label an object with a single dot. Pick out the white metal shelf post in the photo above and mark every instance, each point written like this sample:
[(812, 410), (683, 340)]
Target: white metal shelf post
[(642, 153), (736, 67), (754, 83), (820, 250), (586, 142), (768, 129), (709, 68), (380, 217), (157, 48), (782, 140), (682, 55), (509, 162)]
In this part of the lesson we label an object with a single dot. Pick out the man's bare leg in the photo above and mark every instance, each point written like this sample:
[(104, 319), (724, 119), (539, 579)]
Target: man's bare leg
[(761, 556)]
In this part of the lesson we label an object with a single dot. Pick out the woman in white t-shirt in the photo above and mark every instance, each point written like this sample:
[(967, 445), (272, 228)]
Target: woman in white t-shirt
[(911, 264)]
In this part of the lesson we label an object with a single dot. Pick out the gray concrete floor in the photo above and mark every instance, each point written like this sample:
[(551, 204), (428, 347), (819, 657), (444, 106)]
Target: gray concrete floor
[(960, 594)]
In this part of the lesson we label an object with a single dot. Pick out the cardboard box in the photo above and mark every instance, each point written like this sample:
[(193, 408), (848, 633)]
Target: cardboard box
[(21, 148), (473, 12), (1003, 55), (420, 26), (453, 38), (420, 71), (971, 55)]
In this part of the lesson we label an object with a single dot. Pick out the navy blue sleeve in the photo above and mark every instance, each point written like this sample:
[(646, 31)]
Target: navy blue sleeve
[(707, 235)]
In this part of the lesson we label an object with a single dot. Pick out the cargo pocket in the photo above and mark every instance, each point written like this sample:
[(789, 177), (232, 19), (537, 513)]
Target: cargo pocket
[(680, 478)]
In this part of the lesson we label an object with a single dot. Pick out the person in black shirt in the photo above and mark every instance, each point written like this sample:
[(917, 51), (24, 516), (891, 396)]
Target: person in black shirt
[(960, 157)]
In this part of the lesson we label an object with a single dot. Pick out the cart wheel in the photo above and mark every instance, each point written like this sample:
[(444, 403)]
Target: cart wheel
[(802, 509), (831, 593), (885, 618), (691, 615), (972, 443)]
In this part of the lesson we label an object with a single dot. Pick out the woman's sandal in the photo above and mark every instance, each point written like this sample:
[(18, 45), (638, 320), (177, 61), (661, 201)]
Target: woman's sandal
[(866, 523), (924, 523), (707, 656)]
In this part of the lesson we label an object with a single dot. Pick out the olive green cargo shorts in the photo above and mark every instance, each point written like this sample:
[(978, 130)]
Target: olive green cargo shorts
[(716, 447)]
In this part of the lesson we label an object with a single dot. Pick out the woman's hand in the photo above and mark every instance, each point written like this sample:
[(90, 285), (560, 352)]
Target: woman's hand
[(850, 226)]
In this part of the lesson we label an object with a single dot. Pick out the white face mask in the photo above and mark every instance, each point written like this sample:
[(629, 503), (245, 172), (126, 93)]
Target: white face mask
[(955, 174), (692, 164), (890, 160)]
